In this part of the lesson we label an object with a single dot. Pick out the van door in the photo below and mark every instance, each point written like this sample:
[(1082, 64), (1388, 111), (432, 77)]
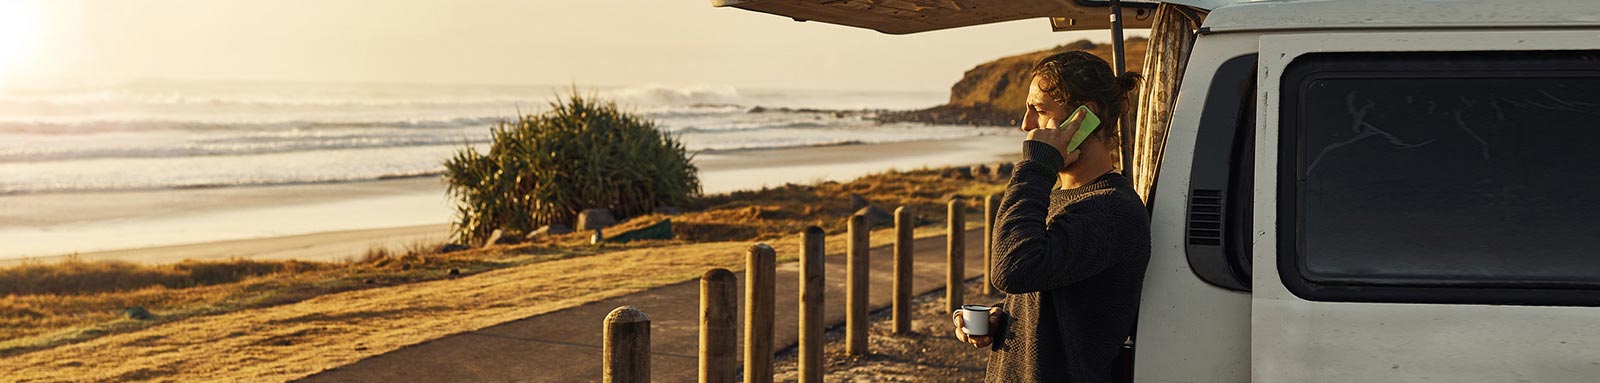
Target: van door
[(1426, 207), (1194, 312)]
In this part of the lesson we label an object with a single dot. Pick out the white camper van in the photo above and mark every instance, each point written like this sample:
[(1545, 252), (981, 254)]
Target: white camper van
[(1347, 190)]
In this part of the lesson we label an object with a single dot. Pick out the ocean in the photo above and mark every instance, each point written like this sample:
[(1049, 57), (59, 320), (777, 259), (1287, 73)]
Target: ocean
[(159, 164), (166, 135)]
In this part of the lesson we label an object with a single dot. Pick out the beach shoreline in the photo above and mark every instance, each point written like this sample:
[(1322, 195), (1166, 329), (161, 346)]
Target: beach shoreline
[(335, 221)]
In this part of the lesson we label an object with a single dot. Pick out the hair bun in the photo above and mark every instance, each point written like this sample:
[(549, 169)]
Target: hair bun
[(1128, 81)]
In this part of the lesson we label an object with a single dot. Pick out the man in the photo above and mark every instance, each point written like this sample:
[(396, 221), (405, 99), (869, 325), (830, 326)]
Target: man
[(1071, 259)]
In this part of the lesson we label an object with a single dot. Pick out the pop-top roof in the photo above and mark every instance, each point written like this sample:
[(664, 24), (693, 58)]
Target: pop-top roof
[(912, 16), (1348, 14)]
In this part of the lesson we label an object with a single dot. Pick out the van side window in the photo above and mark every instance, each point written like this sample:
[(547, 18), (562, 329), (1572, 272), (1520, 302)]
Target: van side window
[(1463, 177), (1217, 235)]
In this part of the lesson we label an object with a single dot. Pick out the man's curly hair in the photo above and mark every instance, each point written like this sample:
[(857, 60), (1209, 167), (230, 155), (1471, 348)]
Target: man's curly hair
[(1078, 77)]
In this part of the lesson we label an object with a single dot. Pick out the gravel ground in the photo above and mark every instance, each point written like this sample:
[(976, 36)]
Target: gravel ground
[(929, 354)]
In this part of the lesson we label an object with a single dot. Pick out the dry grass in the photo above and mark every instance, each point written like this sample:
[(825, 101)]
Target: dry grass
[(59, 310), (78, 277), (75, 310), (781, 211)]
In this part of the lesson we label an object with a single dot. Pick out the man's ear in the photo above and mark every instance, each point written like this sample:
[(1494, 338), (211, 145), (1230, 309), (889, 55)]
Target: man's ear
[(1099, 109)]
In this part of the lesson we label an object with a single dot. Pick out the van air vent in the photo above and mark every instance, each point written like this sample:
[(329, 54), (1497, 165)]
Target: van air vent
[(1205, 217)]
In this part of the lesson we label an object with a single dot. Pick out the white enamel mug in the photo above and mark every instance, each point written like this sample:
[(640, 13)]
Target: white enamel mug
[(975, 319)]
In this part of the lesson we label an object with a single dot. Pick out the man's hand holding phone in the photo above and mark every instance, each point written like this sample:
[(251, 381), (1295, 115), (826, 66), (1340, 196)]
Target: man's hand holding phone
[(1061, 135)]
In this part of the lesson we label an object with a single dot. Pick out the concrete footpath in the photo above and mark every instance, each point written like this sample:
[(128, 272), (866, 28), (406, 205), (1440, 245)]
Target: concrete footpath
[(565, 346)]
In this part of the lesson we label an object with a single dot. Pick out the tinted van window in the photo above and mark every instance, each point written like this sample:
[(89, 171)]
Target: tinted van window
[(1455, 170)]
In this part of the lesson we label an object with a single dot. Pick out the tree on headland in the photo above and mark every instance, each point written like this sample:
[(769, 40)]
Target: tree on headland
[(545, 168)]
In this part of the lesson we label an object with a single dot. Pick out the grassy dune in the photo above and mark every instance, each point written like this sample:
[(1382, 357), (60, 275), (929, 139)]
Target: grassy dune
[(277, 320)]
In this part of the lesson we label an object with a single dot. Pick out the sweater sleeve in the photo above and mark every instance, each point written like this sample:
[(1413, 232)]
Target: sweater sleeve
[(1031, 255)]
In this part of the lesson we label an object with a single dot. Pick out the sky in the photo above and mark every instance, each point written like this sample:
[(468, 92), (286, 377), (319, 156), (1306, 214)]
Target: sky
[(680, 43)]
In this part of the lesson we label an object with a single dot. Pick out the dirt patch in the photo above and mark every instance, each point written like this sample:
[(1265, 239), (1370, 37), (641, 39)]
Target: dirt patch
[(929, 354)]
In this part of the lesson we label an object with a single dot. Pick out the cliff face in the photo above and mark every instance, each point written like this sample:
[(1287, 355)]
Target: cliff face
[(992, 93)]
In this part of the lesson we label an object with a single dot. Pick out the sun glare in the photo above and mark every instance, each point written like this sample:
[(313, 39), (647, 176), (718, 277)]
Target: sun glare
[(19, 35)]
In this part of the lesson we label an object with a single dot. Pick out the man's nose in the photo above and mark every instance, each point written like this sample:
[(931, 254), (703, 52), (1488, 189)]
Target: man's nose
[(1030, 121)]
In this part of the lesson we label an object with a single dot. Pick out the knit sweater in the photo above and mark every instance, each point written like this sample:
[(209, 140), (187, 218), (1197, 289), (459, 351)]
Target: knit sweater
[(1072, 263)]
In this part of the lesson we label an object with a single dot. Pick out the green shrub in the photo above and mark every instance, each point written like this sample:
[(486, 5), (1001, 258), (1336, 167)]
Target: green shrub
[(546, 168)]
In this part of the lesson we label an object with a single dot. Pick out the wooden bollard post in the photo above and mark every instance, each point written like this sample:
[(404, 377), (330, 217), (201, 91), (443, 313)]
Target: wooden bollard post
[(813, 245), (627, 346), (760, 270), (957, 255), (719, 299), (855, 314), (991, 211), (902, 270)]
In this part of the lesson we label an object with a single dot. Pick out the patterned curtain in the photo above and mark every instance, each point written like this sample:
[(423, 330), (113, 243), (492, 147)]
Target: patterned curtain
[(1171, 38)]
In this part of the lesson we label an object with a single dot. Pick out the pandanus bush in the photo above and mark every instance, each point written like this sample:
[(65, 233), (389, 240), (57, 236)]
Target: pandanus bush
[(545, 168)]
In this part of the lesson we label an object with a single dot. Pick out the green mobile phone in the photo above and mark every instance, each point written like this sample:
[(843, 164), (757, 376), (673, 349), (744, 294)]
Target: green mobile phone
[(1090, 121)]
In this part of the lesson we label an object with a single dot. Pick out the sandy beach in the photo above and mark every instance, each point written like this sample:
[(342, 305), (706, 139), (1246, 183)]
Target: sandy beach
[(342, 220)]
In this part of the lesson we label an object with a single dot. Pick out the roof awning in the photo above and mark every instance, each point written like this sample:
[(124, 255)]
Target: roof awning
[(912, 16)]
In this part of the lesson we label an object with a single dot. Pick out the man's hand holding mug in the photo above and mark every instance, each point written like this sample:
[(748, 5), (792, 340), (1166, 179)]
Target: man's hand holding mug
[(984, 322)]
